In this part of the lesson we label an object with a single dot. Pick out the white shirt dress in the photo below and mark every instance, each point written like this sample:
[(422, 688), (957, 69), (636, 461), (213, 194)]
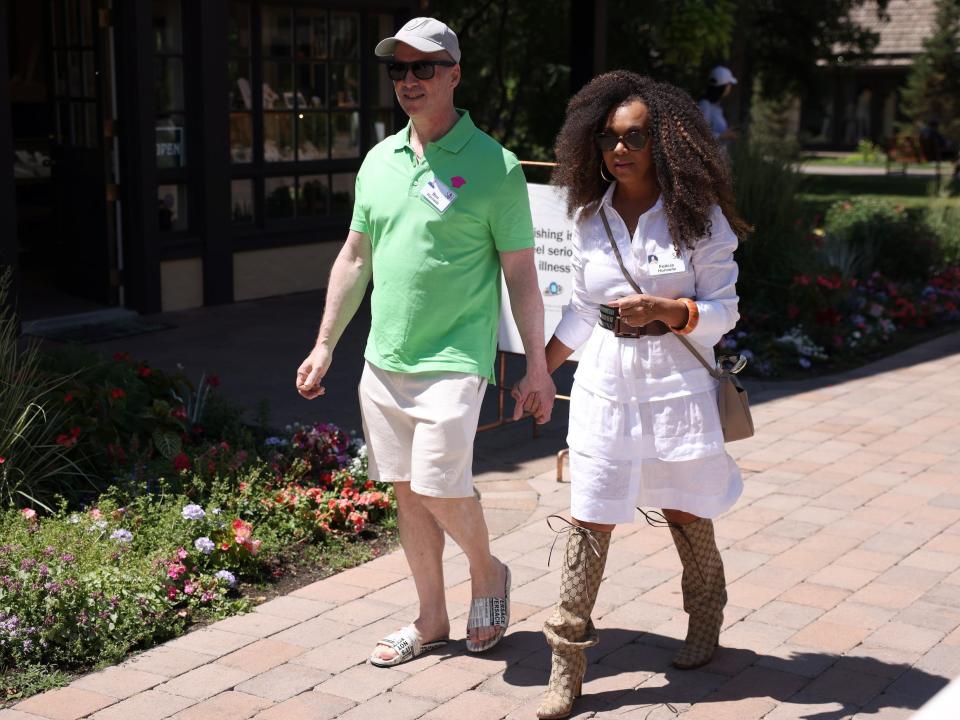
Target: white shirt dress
[(644, 428)]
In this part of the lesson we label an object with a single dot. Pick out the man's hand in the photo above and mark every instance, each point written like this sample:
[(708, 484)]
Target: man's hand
[(311, 372), (534, 394)]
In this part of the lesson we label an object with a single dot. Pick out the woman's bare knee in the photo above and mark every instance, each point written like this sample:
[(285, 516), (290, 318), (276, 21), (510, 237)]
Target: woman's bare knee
[(679, 517), (596, 527)]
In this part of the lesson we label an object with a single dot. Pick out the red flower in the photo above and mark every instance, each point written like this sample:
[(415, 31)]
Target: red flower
[(792, 312), (181, 462), (121, 356), (69, 439), (117, 393), (2, 460), (179, 413), (213, 381), (144, 371), (68, 398)]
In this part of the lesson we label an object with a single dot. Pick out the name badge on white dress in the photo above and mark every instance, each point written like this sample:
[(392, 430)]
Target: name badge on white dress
[(438, 195), (666, 262)]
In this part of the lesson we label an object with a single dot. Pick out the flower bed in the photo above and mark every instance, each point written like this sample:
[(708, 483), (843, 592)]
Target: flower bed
[(184, 507), (831, 321), (871, 277)]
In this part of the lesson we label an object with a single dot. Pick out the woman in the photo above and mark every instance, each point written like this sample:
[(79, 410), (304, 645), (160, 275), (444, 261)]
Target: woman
[(719, 85), (644, 427)]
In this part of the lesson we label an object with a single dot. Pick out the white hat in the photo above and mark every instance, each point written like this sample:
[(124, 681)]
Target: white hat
[(721, 75), (422, 33)]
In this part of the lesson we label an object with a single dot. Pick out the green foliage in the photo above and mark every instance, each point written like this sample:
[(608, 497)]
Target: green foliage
[(864, 235), (26, 680), (932, 91), (516, 73), (770, 132), (943, 219), (787, 39), (779, 247), (868, 153), (34, 463), (671, 41)]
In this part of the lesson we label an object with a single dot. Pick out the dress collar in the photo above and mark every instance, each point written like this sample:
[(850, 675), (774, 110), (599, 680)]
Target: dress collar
[(607, 200), (454, 141)]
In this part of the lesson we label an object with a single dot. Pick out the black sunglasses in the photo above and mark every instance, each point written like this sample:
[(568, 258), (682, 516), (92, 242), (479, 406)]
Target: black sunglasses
[(633, 140), (422, 69)]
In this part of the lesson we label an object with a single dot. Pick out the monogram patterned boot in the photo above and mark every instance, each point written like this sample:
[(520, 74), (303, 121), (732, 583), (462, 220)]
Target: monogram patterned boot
[(704, 591), (570, 630)]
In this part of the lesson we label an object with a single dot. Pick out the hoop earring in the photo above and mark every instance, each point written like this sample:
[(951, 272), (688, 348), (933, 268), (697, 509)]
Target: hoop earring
[(609, 180)]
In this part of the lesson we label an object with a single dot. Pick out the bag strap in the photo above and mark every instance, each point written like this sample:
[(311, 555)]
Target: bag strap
[(633, 283)]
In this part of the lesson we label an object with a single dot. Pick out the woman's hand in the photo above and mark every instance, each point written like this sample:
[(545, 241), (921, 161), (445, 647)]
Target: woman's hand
[(637, 310)]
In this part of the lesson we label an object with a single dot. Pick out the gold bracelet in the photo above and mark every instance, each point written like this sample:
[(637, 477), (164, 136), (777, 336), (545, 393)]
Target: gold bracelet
[(693, 317)]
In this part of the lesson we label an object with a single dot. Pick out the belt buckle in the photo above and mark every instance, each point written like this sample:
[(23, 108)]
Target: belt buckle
[(622, 329)]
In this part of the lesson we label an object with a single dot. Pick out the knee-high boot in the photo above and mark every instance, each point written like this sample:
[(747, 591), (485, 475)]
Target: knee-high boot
[(704, 591), (570, 630)]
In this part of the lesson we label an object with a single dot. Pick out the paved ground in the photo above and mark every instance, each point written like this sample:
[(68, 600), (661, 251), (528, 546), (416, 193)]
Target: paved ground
[(843, 562)]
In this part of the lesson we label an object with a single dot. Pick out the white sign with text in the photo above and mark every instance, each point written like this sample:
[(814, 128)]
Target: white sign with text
[(553, 233)]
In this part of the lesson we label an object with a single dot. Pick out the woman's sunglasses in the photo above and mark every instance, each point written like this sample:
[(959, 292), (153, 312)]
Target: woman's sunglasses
[(422, 69), (633, 140)]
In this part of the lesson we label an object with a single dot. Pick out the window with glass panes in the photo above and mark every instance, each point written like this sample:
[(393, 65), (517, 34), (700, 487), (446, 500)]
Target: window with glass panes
[(171, 115), (300, 117)]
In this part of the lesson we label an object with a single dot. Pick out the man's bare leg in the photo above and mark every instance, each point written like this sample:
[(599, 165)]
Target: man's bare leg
[(422, 540), (463, 520)]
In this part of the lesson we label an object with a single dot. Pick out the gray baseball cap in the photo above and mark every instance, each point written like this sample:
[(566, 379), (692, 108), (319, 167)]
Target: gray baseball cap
[(425, 34)]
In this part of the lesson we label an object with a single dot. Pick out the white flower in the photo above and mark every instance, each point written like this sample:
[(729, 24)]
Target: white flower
[(227, 576), (204, 545), (123, 536), (193, 512)]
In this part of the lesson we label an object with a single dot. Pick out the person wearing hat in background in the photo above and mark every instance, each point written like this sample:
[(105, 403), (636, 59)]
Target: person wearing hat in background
[(719, 85), (440, 210)]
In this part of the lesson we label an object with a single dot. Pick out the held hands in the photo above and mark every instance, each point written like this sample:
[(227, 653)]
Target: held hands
[(637, 310), (534, 394), (312, 371)]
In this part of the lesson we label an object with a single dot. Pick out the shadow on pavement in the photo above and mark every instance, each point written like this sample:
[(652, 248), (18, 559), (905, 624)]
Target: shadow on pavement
[(630, 670)]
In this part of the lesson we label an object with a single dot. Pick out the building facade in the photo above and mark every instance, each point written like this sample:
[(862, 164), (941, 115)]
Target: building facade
[(170, 154), (858, 98)]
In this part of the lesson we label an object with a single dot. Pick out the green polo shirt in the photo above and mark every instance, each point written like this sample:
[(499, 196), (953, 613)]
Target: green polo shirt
[(436, 275)]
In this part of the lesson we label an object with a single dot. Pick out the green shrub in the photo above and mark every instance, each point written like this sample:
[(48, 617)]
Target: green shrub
[(867, 153), (944, 221), (779, 247), (868, 234), (35, 456)]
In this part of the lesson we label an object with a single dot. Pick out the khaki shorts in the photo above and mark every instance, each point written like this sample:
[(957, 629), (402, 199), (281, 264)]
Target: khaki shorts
[(420, 428)]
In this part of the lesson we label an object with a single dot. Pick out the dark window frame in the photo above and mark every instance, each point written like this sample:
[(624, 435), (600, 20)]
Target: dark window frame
[(262, 232)]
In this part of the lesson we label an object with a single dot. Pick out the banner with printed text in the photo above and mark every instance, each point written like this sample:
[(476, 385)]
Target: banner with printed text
[(553, 233)]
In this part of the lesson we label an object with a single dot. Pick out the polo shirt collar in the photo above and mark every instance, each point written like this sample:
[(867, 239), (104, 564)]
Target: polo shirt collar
[(454, 141), (607, 200)]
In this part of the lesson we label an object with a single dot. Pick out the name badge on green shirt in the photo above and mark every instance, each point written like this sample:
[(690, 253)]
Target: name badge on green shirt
[(438, 195)]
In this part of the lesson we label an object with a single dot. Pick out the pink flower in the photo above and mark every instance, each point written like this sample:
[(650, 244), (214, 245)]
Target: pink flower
[(95, 514), (171, 592), (182, 554), (29, 514), (188, 588)]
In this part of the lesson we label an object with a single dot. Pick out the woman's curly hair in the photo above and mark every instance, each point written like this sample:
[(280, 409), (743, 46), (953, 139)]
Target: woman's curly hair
[(691, 167)]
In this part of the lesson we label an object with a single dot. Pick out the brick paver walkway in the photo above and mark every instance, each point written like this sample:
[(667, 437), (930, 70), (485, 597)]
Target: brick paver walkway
[(842, 560)]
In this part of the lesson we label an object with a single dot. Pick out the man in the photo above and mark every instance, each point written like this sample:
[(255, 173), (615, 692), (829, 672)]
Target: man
[(440, 209)]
